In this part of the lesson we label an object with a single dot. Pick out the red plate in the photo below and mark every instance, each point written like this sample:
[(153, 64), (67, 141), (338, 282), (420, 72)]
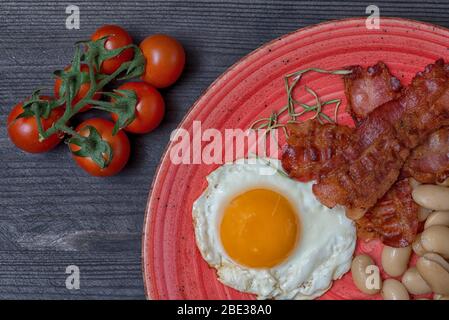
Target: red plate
[(253, 87)]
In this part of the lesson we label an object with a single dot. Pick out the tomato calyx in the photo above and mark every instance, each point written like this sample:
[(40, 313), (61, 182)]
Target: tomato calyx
[(136, 66), (96, 54), (80, 86), (93, 146), (39, 108), (36, 106), (72, 78), (92, 55), (123, 104)]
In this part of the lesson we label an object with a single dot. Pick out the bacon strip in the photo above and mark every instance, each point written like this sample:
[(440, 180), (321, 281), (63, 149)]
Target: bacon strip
[(394, 219), (429, 163), (309, 145), (363, 173), (366, 89)]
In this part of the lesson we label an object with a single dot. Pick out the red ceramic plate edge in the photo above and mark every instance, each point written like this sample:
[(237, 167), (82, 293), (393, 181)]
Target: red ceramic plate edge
[(147, 217)]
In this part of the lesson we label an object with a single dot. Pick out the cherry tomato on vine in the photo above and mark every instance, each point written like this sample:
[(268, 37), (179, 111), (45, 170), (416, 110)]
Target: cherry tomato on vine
[(165, 59), (118, 38), (150, 107), (84, 88), (24, 133), (119, 144)]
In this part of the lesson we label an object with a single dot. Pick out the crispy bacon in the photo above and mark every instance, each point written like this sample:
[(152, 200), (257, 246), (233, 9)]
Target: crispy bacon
[(357, 167), (429, 163), (363, 173), (394, 219), (309, 145), (366, 89)]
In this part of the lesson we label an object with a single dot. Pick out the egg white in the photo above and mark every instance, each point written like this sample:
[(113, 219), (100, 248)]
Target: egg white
[(324, 250)]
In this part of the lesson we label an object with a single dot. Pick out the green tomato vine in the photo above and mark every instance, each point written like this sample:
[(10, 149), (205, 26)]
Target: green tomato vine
[(121, 102)]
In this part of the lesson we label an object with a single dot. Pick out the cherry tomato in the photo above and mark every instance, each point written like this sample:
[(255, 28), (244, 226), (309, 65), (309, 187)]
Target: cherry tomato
[(119, 144), (84, 88), (24, 134), (165, 59), (118, 38), (150, 107)]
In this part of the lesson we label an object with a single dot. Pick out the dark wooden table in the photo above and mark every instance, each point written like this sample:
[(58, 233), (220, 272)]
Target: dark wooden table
[(52, 214)]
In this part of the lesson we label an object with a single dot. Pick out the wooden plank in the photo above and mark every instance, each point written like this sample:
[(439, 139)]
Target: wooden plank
[(51, 213)]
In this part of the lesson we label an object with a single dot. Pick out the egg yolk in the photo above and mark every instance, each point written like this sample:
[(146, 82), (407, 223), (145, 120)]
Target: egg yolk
[(259, 228)]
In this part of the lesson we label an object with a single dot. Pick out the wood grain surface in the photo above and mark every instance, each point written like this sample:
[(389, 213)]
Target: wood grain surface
[(51, 213)]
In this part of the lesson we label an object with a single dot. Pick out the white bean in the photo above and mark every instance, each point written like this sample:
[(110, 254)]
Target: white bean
[(392, 289), (423, 213), (414, 283), (414, 183), (435, 271), (432, 197), (436, 239), (417, 246), (360, 275), (395, 260), (437, 218)]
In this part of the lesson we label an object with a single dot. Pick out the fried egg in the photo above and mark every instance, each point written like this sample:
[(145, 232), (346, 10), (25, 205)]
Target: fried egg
[(268, 235)]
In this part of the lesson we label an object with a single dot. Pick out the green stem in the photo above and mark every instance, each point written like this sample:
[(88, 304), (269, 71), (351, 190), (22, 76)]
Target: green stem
[(337, 108), (103, 105), (272, 122), (95, 87), (68, 106), (326, 117), (60, 124), (40, 128), (257, 121), (70, 131)]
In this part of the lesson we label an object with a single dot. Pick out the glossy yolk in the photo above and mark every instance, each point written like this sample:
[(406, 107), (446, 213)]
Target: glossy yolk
[(259, 228)]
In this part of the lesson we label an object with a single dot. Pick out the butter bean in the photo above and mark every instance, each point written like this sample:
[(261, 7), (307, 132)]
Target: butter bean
[(414, 283), (423, 213), (435, 271), (414, 183), (392, 289), (359, 274), (436, 239), (432, 197), (395, 260), (437, 218), (417, 246)]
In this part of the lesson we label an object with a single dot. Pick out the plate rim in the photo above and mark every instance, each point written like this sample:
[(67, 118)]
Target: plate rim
[(146, 227)]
